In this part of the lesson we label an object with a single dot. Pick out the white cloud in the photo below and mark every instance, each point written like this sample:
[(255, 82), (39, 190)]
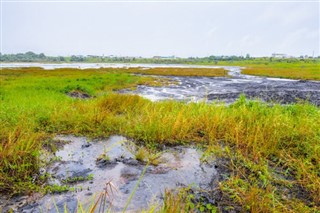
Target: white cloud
[(147, 29)]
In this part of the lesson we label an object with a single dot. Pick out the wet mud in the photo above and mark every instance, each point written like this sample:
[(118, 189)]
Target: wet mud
[(211, 89), (78, 94), (109, 166), (228, 89)]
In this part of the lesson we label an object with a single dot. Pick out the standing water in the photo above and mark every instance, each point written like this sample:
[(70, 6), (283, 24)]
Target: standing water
[(89, 169)]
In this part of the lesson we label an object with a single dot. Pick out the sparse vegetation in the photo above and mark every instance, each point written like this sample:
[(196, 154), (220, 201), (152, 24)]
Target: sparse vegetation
[(77, 179), (103, 157), (57, 188), (272, 152), (178, 201), (106, 196), (141, 154), (147, 156)]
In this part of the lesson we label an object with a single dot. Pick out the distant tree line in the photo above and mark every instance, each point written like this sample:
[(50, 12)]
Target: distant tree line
[(30, 57), (214, 60), (33, 57)]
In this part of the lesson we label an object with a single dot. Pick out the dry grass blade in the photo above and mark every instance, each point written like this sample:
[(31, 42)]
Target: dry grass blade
[(106, 196)]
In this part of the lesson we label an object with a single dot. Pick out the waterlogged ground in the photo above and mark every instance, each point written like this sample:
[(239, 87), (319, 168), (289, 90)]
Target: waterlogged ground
[(98, 65), (224, 89), (89, 168), (79, 165), (218, 89)]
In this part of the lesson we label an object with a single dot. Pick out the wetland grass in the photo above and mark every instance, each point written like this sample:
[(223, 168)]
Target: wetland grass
[(295, 72), (304, 69), (265, 147), (170, 71)]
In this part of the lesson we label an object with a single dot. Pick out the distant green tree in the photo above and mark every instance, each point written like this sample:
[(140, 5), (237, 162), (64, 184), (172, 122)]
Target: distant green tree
[(42, 56), (77, 58)]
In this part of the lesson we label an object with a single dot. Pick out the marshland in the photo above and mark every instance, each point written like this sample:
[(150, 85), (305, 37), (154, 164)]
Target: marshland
[(160, 138)]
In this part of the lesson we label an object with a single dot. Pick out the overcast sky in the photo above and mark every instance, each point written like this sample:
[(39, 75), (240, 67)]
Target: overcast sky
[(147, 29)]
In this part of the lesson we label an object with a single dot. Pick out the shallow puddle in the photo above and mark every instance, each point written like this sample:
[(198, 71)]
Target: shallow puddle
[(118, 174)]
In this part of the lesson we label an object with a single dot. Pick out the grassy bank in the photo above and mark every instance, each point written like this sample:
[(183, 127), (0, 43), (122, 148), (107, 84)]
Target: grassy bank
[(209, 72), (297, 71), (280, 68), (273, 153)]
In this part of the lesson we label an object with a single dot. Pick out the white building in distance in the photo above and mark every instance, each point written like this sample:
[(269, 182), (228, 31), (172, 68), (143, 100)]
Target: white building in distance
[(280, 55)]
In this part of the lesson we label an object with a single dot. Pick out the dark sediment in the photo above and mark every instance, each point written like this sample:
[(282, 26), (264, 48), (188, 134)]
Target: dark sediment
[(228, 90), (78, 94), (276, 96)]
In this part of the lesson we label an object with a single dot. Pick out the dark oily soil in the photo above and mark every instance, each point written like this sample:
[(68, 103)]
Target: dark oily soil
[(78, 94), (228, 90), (274, 96)]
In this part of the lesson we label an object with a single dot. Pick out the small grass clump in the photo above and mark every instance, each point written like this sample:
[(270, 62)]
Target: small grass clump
[(267, 148), (77, 179), (147, 156), (142, 154), (57, 188), (103, 157), (178, 201)]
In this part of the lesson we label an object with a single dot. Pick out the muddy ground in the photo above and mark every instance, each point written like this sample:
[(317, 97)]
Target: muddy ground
[(89, 168), (227, 90)]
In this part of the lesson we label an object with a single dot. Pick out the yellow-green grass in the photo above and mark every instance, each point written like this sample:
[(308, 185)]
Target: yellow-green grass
[(272, 67), (302, 72), (93, 80), (268, 147), (170, 71)]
